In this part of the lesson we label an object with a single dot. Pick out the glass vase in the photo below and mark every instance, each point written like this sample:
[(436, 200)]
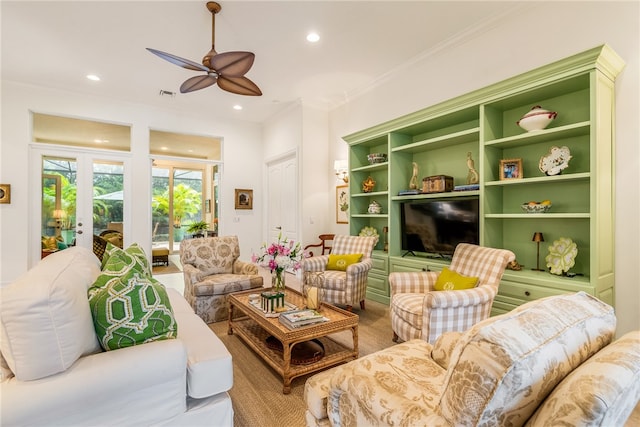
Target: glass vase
[(313, 289), (277, 281)]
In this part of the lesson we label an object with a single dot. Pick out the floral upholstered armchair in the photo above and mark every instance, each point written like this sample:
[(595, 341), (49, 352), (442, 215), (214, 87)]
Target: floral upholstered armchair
[(549, 362), (418, 310), (346, 283), (211, 272)]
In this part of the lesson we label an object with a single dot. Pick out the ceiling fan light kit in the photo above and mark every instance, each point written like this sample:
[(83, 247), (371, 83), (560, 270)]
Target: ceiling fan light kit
[(227, 69)]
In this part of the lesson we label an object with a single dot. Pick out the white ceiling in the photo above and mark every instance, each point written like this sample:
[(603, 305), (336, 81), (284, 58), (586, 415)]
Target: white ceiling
[(57, 43)]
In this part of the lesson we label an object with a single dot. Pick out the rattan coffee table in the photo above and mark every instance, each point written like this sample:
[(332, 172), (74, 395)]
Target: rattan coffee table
[(254, 328)]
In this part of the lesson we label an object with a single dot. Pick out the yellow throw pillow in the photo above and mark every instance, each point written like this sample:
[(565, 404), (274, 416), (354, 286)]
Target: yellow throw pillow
[(341, 262), (451, 281)]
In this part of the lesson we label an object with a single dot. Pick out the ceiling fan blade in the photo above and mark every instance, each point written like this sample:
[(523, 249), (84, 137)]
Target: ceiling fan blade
[(232, 64), (197, 83), (181, 62), (239, 85)]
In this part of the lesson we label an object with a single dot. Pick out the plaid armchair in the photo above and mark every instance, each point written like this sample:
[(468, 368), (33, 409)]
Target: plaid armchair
[(418, 311), (345, 287)]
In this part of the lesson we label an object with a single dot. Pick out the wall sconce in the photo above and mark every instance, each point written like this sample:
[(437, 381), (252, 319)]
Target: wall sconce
[(342, 172)]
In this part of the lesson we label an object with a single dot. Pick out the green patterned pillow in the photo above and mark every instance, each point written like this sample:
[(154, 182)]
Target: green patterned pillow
[(121, 264), (132, 311)]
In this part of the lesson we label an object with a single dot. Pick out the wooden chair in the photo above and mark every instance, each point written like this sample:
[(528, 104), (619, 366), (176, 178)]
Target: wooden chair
[(325, 248)]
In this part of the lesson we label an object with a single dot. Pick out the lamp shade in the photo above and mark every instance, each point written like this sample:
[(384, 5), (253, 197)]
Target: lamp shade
[(537, 237), (59, 214)]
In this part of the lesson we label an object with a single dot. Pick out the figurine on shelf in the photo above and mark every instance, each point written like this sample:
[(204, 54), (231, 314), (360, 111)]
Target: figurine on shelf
[(472, 176), (368, 184), (413, 184)]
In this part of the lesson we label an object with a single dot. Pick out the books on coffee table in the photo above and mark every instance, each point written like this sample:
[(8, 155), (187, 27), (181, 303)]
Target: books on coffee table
[(298, 318)]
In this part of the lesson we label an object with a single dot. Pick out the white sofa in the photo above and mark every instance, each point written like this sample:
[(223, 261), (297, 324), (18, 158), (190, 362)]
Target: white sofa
[(55, 373)]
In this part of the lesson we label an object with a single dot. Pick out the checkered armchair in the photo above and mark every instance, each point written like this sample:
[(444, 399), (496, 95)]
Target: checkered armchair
[(345, 287), (418, 311)]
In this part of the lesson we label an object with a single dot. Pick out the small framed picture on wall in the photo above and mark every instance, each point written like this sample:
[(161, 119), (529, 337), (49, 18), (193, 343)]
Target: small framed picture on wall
[(342, 204), (511, 169), (244, 199), (5, 193)]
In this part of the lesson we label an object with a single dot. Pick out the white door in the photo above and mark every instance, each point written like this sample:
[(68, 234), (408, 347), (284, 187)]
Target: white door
[(78, 193), (282, 198)]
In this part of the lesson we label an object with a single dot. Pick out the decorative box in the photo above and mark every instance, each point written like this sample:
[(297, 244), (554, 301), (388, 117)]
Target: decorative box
[(271, 301), (437, 184)]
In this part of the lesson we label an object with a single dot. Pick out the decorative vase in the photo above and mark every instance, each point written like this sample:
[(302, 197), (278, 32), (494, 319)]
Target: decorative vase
[(277, 281)]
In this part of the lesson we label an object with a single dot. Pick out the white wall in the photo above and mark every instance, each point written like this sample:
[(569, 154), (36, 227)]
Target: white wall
[(539, 34), (240, 170)]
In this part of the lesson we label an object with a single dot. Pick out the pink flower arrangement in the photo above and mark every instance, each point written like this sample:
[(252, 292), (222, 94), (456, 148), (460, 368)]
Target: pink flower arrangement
[(280, 255)]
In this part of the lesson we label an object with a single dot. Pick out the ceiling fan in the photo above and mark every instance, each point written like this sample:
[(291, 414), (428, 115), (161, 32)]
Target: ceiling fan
[(227, 69)]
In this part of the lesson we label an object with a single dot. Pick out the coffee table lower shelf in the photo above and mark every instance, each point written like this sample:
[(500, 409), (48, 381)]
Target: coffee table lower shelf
[(256, 337)]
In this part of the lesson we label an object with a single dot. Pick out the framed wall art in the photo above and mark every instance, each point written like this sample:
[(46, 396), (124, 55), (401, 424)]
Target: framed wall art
[(5, 193), (244, 199), (511, 169), (342, 204)]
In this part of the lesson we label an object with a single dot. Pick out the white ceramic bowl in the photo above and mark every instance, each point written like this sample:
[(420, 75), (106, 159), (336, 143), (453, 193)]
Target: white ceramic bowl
[(536, 119), (377, 158)]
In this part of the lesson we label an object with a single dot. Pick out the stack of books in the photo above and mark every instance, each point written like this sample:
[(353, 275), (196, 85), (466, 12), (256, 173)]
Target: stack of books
[(297, 318)]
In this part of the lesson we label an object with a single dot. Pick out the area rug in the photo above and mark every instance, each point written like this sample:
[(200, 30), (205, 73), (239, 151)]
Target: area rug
[(257, 389), (166, 269)]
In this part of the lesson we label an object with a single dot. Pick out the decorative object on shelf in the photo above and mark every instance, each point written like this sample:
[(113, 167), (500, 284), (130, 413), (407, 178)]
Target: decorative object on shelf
[(413, 183), (342, 204), (536, 207), (368, 184), (537, 119), (313, 288), (342, 172), (272, 302), (472, 176), (374, 158), (244, 199), (437, 184), (277, 257), (374, 207), (5, 193), (538, 238), (385, 231), (562, 256), (514, 265), (369, 231), (555, 161), (511, 169)]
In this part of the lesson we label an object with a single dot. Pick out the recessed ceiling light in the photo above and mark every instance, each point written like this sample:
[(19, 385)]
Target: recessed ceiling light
[(100, 141), (93, 77), (313, 37), (164, 148), (237, 107)]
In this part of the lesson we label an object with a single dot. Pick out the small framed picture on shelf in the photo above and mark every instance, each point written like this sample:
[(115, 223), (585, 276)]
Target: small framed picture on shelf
[(244, 199), (342, 204), (511, 169)]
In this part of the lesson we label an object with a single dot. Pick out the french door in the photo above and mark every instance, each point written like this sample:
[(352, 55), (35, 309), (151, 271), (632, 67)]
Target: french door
[(78, 194)]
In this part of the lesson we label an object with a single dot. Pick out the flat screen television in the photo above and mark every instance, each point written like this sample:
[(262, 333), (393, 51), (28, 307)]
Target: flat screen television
[(435, 227)]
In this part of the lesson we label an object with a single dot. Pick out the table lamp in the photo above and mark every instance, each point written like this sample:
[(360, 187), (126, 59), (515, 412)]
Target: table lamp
[(537, 237)]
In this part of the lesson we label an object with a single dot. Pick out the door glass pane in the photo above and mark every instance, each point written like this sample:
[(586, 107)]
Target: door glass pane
[(58, 204), (108, 201), (161, 233), (187, 202)]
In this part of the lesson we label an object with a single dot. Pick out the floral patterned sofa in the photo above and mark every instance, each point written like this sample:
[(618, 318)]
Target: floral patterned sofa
[(212, 271), (548, 362)]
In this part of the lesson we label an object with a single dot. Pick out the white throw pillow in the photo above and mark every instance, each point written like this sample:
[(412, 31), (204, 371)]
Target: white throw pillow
[(45, 321)]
